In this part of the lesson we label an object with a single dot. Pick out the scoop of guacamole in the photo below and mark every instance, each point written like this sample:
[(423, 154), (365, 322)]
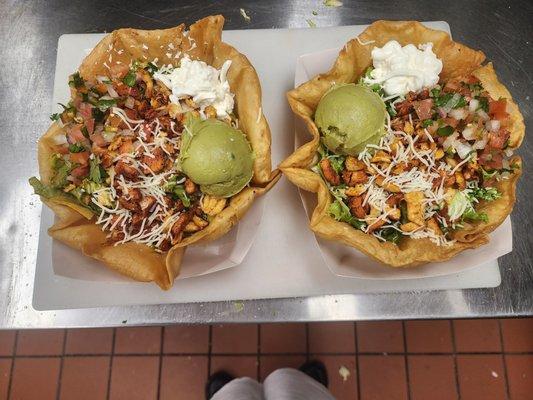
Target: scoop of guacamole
[(349, 117), (215, 156)]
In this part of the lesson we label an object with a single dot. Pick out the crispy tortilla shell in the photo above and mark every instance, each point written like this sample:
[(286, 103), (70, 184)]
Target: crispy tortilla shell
[(458, 60), (76, 227)]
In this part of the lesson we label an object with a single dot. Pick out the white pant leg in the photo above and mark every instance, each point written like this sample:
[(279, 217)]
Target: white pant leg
[(240, 389), (291, 384)]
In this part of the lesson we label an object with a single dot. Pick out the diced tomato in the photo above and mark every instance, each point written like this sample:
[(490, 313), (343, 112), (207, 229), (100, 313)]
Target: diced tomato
[(63, 149), (119, 70), (80, 158), (497, 140), (86, 110), (498, 109), (472, 79), (451, 121), (491, 159), (89, 124), (76, 100), (423, 108), (74, 135), (98, 139), (80, 172)]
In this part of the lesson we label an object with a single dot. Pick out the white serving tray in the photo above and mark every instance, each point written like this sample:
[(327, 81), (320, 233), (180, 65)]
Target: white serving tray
[(284, 260)]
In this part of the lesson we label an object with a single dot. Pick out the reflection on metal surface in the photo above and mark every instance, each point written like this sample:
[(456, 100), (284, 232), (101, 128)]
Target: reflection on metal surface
[(29, 35)]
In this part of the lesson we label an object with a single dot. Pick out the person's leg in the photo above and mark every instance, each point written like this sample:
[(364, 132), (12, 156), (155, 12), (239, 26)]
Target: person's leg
[(291, 384), (240, 389)]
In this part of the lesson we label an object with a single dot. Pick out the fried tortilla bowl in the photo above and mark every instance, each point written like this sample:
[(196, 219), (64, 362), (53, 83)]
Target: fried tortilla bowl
[(458, 60), (75, 225)]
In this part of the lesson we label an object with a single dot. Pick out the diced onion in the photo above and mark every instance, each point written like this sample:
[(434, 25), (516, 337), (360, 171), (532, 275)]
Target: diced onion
[(130, 102), (474, 104), (469, 133), (459, 113), (480, 144), (463, 149), (493, 125), (508, 152), (484, 116), (111, 90), (450, 140), (60, 139), (505, 164)]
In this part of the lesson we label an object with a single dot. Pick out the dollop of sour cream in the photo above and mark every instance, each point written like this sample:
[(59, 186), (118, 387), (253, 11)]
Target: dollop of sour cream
[(205, 84), (403, 69)]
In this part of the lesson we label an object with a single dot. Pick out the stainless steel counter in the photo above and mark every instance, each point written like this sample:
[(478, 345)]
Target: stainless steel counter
[(29, 33)]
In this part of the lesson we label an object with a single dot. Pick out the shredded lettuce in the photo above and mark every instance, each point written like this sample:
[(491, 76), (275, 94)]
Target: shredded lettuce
[(340, 211), (96, 173)]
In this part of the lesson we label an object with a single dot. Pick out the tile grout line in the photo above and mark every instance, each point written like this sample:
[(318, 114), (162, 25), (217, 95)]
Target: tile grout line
[(61, 362), (307, 341), (209, 351), (258, 354), (364, 353), (13, 358), (504, 360), (160, 362), (357, 378), (405, 360), (454, 355), (112, 356)]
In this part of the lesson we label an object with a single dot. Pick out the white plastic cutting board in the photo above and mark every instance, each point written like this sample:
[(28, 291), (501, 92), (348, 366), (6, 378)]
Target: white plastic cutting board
[(284, 261)]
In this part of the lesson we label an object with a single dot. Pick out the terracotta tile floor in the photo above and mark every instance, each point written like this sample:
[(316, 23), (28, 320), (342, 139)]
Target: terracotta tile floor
[(412, 360)]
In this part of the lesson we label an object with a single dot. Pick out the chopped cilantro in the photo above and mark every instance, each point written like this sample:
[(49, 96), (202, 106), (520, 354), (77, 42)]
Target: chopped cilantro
[(445, 130), (475, 87), (151, 68), (177, 191), (85, 131), (98, 115), (391, 235), (76, 148), (483, 103), (426, 123), (435, 92), (450, 100), (104, 104), (130, 78), (76, 80), (55, 116), (461, 102)]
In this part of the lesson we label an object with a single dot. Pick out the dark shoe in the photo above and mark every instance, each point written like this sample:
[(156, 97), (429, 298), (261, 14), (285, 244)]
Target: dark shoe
[(316, 370), (216, 382)]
